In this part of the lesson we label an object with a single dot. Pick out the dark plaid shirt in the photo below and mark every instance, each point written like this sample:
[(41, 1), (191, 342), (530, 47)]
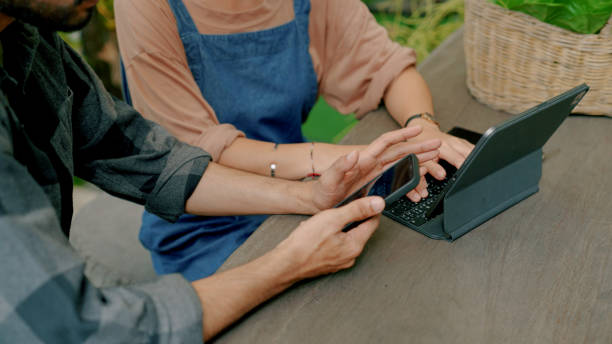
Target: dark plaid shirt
[(57, 121)]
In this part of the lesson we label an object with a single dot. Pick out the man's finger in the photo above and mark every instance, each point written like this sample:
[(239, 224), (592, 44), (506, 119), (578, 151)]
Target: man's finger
[(427, 156), (336, 172), (362, 233), (358, 210), (390, 138), (427, 146), (400, 150)]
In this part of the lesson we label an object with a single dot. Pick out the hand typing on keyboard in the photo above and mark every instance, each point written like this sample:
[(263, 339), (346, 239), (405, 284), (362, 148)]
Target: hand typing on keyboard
[(418, 213), (454, 150)]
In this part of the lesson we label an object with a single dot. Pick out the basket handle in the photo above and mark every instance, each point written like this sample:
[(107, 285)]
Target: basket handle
[(606, 31)]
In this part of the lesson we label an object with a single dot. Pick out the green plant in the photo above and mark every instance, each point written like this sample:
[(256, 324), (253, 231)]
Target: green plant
[(581, 16), (426, 25)]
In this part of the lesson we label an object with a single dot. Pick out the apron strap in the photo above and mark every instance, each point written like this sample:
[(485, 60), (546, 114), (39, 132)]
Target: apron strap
[(184, 21), (301, 7)]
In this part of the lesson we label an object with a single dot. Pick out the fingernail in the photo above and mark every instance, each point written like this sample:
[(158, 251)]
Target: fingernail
[(424, 193), (377, 204)]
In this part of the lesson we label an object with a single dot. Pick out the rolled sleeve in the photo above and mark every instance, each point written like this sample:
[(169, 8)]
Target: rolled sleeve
[(126, 155), (178, 180)]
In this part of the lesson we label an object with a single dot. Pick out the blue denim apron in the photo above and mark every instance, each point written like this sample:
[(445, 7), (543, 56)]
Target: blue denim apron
[(263, 83)]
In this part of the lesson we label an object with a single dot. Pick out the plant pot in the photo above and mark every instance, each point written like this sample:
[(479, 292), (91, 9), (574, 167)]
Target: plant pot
[(514, 61)]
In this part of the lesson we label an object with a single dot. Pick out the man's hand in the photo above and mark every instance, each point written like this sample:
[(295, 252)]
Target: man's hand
[(317, 247), (350, 172)]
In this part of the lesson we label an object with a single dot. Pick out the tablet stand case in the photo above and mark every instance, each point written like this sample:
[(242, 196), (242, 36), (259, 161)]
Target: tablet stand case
[(466, 208), (502, 170)]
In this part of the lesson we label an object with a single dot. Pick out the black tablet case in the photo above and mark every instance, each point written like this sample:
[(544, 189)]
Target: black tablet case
[(504, 168)]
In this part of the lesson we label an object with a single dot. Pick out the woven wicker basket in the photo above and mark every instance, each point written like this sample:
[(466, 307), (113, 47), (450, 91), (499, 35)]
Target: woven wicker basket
[(514, 61)]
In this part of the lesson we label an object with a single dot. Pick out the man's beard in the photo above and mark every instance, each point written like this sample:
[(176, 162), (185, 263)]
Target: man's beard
[(48, 16)]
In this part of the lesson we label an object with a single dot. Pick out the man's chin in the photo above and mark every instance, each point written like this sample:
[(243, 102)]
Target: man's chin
[(67, 23), (73, 24)]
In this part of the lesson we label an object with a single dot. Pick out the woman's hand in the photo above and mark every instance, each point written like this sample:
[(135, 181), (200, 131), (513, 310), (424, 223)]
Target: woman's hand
[(453, 149)]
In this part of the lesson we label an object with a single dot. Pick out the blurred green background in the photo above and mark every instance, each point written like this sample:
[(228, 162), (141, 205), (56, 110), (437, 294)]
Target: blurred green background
[(420, 24)]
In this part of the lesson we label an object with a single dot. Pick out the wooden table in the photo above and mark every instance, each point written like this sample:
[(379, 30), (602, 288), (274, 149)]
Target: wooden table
[(539, 272)]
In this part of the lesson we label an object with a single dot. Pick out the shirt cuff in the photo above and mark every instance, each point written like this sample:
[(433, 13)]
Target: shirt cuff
[(184, 169), (178, 309)]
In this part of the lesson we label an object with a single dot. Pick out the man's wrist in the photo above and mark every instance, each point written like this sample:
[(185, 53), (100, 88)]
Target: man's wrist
[(292, 257), (305, 194), (286, 264)]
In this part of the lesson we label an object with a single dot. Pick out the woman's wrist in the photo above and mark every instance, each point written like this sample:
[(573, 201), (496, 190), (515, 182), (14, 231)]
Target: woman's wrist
[(424, 119)]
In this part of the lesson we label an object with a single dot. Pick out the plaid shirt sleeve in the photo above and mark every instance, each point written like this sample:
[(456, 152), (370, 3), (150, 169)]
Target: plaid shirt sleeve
[(125, 154), (44, 295)]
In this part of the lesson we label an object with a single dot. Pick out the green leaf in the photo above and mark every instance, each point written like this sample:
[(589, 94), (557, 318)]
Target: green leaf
[(581, 16)]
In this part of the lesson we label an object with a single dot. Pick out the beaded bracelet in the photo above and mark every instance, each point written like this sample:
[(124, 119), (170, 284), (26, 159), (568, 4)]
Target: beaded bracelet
[(313, 174)]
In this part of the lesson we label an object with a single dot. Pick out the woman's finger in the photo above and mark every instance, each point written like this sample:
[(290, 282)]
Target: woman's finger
[(422, 188), (414, 196), (449, 154), (464, 147), (434, 169)]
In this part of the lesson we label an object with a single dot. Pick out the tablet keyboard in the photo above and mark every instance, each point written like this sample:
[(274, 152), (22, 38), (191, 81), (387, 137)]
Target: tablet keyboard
[(421, 212)]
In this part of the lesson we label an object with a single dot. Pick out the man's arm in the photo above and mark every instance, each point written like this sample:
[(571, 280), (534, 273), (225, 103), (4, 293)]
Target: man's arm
[(317, 247), (44, 294), (224, 191)]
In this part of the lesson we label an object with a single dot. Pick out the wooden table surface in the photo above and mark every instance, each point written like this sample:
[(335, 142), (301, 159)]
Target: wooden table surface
[(539, 272)]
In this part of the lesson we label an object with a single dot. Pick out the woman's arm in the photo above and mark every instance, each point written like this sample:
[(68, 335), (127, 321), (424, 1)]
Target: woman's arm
[(408, 95), (362, 66), (163, 90), (292, 161)]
